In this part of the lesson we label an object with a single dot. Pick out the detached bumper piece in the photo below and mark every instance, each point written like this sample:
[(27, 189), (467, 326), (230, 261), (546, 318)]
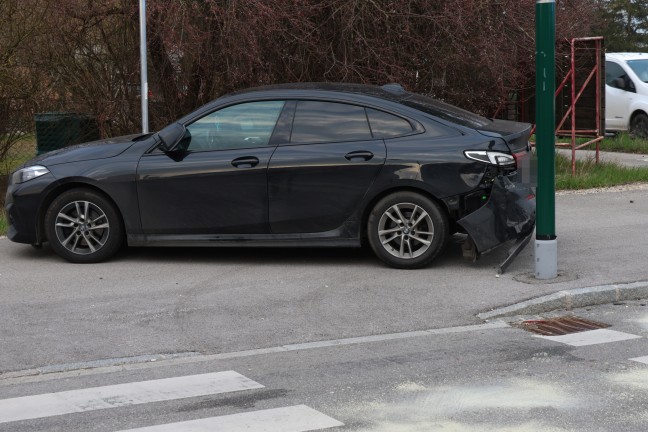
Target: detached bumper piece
[(508, 215)]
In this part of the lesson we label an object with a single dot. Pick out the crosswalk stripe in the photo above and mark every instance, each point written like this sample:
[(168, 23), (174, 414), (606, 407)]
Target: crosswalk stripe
[(643, 359), (591, 337), (298, 418), (135, 393)]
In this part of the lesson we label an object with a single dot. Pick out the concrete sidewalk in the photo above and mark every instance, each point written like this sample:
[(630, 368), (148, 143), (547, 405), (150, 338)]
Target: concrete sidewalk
[(626, 159), (602, 241), (607, 252)]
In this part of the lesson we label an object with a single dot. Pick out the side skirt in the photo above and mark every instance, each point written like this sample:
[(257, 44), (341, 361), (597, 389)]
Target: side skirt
[(252, 240)]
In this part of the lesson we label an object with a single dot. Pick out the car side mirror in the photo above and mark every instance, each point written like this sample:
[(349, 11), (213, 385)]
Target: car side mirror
[(170, 136), (619, 83)]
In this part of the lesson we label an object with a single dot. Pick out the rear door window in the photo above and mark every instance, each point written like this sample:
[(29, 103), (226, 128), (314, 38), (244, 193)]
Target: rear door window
[(319, 122)]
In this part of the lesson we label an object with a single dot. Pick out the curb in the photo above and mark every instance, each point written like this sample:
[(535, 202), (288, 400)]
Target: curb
[(574, 298)]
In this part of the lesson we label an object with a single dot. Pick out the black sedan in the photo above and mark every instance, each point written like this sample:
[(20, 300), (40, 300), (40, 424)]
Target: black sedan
[(291, 165)]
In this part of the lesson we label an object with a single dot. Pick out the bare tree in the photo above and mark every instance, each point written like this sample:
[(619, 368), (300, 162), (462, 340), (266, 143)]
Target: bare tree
[(472, 53), (19, 89)]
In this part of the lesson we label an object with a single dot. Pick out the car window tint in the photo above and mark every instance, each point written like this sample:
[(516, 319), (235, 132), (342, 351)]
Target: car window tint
[(384, 125), (329, 122), (246, 125), (612, 72)]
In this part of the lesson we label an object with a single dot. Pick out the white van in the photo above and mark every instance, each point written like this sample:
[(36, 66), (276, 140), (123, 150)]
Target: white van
[(626, 92)]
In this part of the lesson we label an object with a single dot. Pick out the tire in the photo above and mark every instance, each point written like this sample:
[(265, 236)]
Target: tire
[(639, 125), (410, 244), (83, 226)]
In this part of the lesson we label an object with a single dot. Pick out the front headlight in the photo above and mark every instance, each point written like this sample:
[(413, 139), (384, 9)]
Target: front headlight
[(26, 174)]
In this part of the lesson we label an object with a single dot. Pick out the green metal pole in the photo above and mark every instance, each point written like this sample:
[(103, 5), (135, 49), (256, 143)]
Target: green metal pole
[(546, 245)]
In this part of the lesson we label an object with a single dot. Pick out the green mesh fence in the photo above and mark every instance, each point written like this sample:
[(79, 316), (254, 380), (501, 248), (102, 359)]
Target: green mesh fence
[(58, 130)]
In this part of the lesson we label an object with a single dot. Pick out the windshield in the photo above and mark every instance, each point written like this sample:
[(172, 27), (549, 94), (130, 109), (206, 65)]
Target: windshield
[(640, 67)]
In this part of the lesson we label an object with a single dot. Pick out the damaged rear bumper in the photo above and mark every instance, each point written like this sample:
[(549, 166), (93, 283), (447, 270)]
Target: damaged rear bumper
[(509, 214)]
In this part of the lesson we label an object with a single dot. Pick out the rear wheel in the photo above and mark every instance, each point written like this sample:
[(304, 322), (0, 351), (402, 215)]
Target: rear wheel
[(407, 230), (83, 226)]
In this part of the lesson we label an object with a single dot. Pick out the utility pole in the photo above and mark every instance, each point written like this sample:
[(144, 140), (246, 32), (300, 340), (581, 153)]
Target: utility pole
[(143, 67), (546, 245)]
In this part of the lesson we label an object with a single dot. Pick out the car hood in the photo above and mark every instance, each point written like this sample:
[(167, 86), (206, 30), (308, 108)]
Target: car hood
[(102, 149)]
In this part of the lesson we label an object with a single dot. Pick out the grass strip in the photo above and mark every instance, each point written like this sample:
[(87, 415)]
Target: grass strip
[(4, 224), (620, 143), (624, 143), (589, 174)]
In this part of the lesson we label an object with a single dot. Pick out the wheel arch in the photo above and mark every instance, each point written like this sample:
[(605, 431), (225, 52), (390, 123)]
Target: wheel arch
[(60, 189), (635, 113)]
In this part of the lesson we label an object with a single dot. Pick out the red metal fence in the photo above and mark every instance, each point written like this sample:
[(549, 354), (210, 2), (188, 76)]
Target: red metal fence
[(580, 96)]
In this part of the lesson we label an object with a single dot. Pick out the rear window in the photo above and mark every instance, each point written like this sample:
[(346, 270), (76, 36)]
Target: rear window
[(384, 125), (444, 111)]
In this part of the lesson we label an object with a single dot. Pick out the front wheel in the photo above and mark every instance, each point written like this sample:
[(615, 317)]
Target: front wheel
[(83, 226), (407, 230)]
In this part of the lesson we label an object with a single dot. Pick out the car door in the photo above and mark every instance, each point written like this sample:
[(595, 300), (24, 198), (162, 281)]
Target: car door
[(617, 98), (317, 180), (215, 181)]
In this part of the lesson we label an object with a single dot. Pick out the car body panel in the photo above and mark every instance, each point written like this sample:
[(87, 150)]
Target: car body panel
[(509, 214), (314, 187), (21, 204), (203, 193), (88, 151), (438, 164), (113, 176)]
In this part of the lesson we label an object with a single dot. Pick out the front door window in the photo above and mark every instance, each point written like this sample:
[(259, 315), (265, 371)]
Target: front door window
[(246, 125)]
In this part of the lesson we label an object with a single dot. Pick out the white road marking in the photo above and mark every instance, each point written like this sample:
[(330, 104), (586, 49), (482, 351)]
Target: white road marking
[(298, 418), (135, 393), (591, 337), (643, 359), (90, 368)]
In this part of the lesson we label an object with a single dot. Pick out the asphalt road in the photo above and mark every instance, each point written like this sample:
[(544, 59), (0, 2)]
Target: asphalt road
[(499, 378), (155, 301), (201, 304)]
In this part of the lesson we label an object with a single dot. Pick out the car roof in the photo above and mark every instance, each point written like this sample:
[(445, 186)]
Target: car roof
[(626, 56), (388, 91), (392, 92)]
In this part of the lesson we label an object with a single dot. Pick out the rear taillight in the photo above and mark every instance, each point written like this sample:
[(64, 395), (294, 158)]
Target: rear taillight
[(519, 157), (492, 157)]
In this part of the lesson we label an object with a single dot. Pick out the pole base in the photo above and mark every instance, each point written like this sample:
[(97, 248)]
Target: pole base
[(546, 259)]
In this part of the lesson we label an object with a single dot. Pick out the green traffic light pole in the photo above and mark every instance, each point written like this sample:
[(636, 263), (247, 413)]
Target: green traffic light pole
[(546, 245)]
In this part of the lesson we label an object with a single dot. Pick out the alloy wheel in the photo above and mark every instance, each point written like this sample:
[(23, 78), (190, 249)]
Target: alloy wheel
[(405, 230), (82, 227)]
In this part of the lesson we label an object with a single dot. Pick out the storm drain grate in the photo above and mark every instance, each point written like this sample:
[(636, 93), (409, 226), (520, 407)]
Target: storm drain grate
[(560, 326)]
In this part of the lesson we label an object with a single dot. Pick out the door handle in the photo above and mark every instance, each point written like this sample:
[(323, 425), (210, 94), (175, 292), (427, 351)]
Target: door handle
[(245, 162), (361, 154)]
